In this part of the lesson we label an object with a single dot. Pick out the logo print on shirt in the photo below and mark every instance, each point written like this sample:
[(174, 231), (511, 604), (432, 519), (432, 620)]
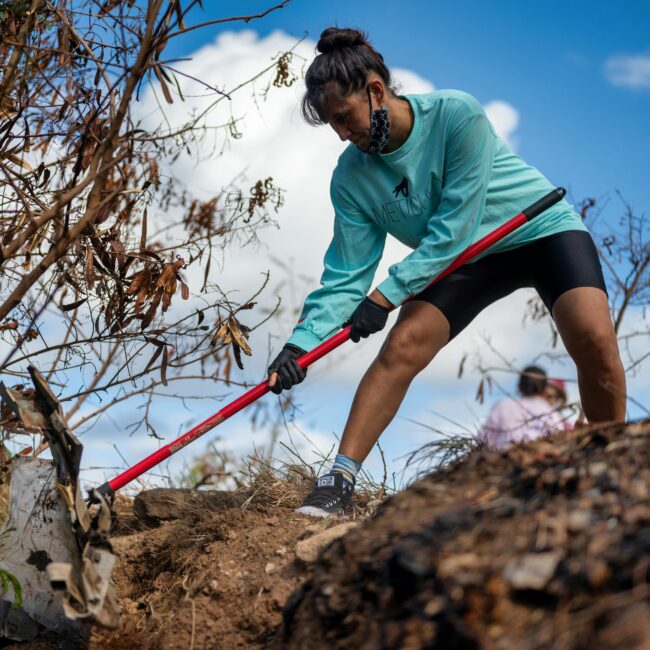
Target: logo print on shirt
[(402, 188)]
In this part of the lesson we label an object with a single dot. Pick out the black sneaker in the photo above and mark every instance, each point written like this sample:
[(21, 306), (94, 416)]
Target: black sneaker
[(332, 495)]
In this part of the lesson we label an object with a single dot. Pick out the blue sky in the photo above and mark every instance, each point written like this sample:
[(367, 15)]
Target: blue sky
[(576, 126)]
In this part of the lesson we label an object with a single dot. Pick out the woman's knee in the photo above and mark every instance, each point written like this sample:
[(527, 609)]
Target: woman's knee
[(408, 346), (596, 346)]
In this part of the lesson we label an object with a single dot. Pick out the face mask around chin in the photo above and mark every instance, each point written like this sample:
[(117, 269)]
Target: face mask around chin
[(379, 130)]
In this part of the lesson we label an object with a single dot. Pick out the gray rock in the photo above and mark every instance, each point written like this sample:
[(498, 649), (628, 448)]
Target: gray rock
[(532, 570), (308, 549), (162, 504)]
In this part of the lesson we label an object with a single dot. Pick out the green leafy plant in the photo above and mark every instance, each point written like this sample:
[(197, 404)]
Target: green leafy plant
[(9, 579)]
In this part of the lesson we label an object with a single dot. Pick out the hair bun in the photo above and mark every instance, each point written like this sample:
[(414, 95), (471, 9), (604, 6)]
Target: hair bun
[(334, 38)]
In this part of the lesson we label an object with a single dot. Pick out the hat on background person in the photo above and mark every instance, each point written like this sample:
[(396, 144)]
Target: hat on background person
[(560, 384)]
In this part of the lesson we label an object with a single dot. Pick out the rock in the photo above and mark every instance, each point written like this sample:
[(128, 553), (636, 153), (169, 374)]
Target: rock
[(308, 549), (465, 569), (597, 469), (532, 570), (579, 520), (270, 568), (164, 503)]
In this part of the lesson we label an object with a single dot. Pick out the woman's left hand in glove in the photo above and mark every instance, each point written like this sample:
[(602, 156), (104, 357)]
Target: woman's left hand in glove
[(369, 317)]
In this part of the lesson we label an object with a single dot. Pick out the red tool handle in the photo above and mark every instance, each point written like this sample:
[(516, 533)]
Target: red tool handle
[(110, 487)]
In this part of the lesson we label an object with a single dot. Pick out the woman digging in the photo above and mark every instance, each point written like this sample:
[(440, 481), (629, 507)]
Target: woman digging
[(430, 171)]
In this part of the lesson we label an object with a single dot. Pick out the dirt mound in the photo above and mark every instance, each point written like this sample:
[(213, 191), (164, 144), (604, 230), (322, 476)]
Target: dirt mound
[(546, 545), (212, 569)]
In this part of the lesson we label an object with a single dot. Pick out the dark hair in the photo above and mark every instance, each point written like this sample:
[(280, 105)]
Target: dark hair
[(532, 381), (346, 57)]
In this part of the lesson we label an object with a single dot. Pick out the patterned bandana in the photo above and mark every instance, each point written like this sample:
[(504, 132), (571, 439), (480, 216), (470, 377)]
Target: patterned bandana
[(379, 128)]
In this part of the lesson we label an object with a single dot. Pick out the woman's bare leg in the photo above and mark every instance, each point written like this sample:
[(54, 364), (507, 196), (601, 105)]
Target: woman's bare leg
[(585, 325), (419, 333)]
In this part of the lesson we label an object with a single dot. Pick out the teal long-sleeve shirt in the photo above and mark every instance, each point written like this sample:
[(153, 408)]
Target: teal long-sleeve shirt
[(450, 183)]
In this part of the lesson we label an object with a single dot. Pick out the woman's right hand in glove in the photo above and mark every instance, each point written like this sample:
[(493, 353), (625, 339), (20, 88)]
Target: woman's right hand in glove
[(285, 372)]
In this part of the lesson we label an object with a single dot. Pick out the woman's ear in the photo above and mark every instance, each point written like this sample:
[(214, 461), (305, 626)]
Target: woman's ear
[(377, 92)]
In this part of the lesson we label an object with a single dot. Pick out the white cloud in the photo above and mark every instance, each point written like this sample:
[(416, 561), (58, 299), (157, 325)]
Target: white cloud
[(407, 81), (504, 118), (629, 71)]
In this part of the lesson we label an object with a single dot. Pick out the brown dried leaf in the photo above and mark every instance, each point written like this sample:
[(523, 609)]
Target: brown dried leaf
[(461, 366), (185, 291), (108, 313), (73, 305), (223, 333), (148, 317), (20, 162), (108, 6), (9, 325), (118, 248), (7, 111), (143, 232), (167, 272), (136, 283), (90, 276), (480, 393), (155, 341), (163, 84), (163, 366), (236, 350), (238, 335), (226, 370), (154, 357), (142, 296), (87, 156), (166, 300)]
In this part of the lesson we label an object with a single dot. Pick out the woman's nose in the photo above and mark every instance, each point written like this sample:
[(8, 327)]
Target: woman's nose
[(342, 131)]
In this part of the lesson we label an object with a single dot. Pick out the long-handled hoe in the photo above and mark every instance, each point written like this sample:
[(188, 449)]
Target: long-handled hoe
[(109, 488)]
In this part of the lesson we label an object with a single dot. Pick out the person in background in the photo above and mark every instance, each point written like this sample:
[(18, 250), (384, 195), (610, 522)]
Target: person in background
[(527, 417), (555, 392)]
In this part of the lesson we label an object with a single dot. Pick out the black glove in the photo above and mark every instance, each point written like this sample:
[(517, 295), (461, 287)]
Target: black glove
[(369, 317), (289, 372)]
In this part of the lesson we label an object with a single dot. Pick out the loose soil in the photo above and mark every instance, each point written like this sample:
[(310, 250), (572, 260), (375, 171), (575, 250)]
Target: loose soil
[(545, 545)]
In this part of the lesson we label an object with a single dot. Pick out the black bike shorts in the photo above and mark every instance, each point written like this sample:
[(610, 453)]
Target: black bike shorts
[(552, 265)]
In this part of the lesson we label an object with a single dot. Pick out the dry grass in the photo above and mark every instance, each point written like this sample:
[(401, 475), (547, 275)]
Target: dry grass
[(271, 485), (446, 448)]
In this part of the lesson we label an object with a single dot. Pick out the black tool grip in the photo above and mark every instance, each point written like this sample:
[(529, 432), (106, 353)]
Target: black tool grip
[(104, 490), (544, 203)]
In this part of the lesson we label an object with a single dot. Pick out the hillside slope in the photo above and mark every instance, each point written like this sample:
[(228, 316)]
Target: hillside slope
[(546, 545)]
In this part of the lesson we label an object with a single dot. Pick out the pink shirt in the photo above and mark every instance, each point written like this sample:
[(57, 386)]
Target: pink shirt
[(515, 420)]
